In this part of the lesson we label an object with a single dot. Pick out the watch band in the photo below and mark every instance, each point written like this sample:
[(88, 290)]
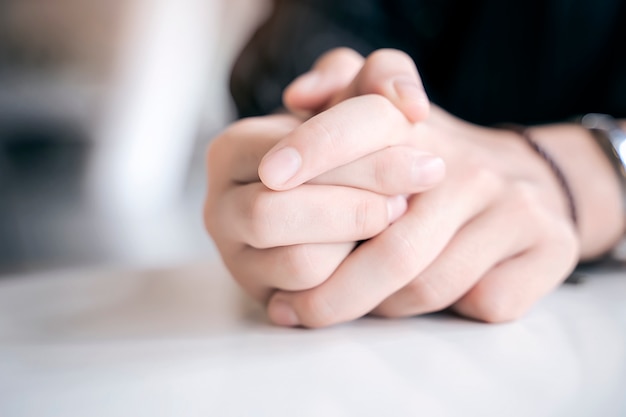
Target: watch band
[(612, 139)]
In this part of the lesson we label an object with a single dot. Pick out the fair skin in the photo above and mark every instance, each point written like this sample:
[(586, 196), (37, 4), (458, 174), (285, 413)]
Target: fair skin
[(450, 214)]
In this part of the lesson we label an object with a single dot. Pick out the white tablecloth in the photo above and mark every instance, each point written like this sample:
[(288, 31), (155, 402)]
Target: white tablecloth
[(186, 342)]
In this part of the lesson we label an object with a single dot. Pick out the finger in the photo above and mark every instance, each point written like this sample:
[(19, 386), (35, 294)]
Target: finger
[(510, 289), (232, 159), (289, 268), (263, 218), (342, 74), (383, 265), (498, 233), (332, 72), (234, 156), (392, 171), (392, 74), (341, 134)]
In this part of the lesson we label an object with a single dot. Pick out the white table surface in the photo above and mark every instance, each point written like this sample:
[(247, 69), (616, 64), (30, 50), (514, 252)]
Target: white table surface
[(186, 342)]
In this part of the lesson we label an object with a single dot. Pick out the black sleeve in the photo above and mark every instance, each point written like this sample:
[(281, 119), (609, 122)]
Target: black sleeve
[(296, 34), (486, 61)]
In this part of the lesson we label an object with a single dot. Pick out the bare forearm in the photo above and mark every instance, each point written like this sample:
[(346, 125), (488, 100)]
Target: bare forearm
[(594, 184)]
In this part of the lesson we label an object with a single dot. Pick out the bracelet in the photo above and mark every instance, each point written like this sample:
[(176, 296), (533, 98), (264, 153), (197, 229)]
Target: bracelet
[(554, 167)]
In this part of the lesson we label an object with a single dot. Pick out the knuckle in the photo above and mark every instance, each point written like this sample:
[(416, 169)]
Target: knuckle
[(382, 56), (566, 241), (299, 266), (486, 182), (382, 106), (561, 242), (316, 311), (328, 132), (555, 232), (492, 304), (399, 253), (245, 125), (390, 169), (216, 150), (426, 296), (259, 220), (370, 217), (212, 213), (525, 203), (382, 64), (209, 218), (382, 174), (341, 53), (221, 147), (498, 309), (527, 200)]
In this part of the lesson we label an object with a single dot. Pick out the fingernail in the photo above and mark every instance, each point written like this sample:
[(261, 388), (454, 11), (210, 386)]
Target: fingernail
[(279, 167), (408, 89), (308, 82), (282, 314), (427, 170), (396, 207)]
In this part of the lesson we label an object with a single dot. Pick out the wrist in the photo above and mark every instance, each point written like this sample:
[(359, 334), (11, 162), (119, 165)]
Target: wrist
[(556, 171), (595, 187)]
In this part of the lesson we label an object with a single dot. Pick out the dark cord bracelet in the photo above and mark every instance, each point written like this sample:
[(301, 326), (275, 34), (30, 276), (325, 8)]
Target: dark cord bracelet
[(554, 167)]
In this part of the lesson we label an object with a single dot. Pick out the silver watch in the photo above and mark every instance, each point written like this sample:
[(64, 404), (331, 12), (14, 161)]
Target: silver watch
[(612, 140)]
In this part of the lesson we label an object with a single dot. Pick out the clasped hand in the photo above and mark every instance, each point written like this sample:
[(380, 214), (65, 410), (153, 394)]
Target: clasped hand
[(365, 198)]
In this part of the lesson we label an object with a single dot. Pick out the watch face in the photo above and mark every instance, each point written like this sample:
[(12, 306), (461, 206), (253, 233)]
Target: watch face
[(611, 138), (597, 121), (621, 150)]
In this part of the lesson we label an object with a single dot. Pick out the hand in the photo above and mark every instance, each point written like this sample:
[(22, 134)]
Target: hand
[(342, 73), (326, 304), (295, 240), (489, 242)]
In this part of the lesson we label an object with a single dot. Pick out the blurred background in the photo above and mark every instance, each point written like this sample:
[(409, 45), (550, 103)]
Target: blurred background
[(106, 108)]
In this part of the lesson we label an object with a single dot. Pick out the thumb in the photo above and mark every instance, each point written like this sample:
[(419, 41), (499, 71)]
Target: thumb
[(333, 72), (392, 74), (342, 74)]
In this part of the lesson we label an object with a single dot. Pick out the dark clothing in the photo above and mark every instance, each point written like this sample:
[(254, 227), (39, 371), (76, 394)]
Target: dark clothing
[(490, 61)]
